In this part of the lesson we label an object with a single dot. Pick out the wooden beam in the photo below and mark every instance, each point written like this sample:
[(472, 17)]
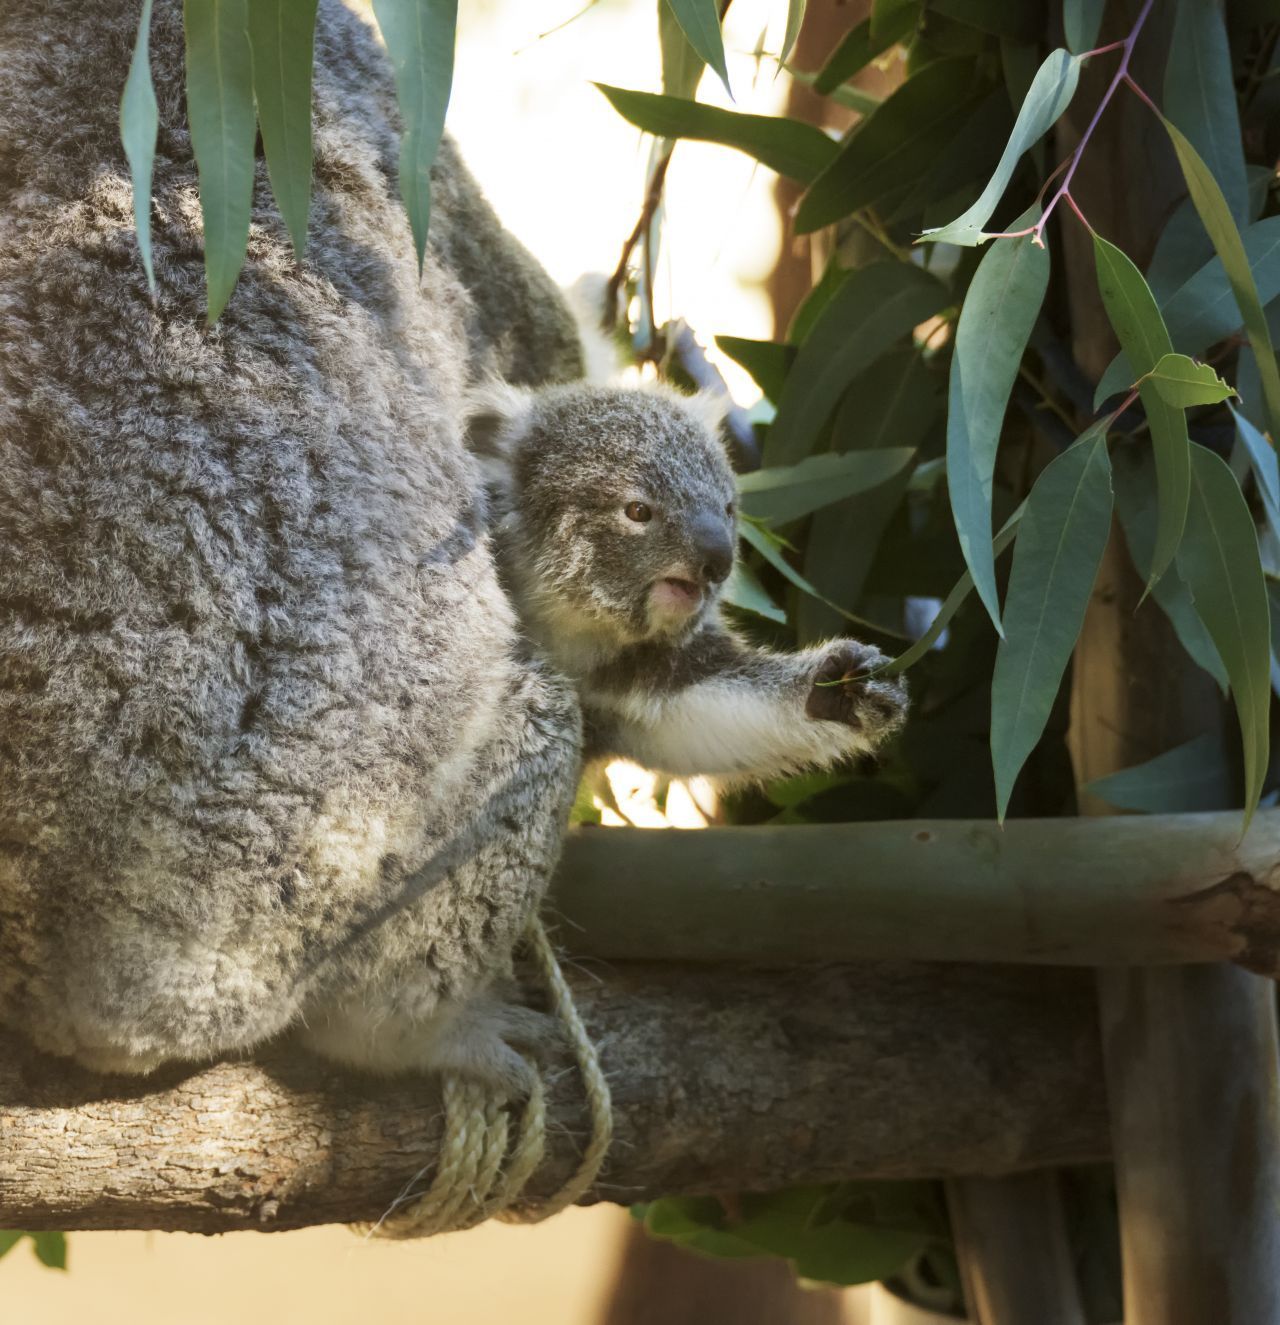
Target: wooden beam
[(1147, 890), (723, 1079)]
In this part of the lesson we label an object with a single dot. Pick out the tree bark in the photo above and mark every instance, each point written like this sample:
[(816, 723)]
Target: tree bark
[(1150, 889), (723, 1079)]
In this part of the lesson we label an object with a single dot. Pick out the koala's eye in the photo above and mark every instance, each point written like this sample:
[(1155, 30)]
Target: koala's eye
[(638, 511)]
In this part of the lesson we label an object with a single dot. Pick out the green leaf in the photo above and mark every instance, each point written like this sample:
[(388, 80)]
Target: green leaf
[(1183, 382), (420, 39), (903, 138), (1203, 310), (858, 48), (1262, 457), (282, 38), (1132, 311), (1135, 488), (768, 361), (51, 1249), (1215, 214), (139, 125), (1060, 543), (790, 147), (223, 134), (1219, 561), (700, 20), (886, 15), (9, 1238), (1200, 96), (816, 300), (875, 306), (745, 592), (951, 605), (789, 492), (682, 66), (1188, 779), (894, 402), (795, 19), (1080, 22), (995, 324), (1050, 94)]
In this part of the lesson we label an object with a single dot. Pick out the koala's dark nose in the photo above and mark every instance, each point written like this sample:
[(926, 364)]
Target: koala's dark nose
[(712, 547)]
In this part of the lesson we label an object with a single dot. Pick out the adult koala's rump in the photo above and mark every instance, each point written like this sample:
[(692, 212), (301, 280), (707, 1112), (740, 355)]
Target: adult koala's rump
[(255, 667)]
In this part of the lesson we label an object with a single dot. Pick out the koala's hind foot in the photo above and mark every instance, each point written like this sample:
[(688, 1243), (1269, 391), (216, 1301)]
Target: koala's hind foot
[(841, 691)]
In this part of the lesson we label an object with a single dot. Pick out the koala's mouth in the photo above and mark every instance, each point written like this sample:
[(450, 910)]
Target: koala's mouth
[(675, 597)]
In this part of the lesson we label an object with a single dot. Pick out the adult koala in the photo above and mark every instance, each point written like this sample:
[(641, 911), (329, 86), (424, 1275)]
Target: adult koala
[(269, 750)]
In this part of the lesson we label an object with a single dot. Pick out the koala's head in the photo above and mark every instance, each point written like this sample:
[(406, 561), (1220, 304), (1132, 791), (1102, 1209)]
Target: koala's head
[(616, 505)]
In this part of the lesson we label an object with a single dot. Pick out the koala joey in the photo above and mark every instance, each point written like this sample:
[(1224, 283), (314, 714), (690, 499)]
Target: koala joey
[(614, 519)]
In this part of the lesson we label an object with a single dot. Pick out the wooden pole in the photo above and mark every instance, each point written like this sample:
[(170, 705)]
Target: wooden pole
[(1190, 1052)]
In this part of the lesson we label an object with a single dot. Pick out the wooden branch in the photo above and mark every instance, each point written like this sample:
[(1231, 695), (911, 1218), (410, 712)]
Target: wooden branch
[(724, 1079), (1138, 890)]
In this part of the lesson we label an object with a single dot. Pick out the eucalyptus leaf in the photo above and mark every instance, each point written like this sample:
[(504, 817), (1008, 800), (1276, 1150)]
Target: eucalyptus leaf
[(51, 1249), (1131, 309), (887, 14), (790, 147), (768, 361), (420, 37), (1200, 96), (1049, 95), (1189, 779), (745, 592), (875, 306), (1217, 219), (223, 135), (682, 66), (139, 125), (700, 20), (791, 34), (905, 136), (1060, 543), (282, 39), (789, 492), (1184, 383), (1203, 309), (1219, 561), (1133, 478), (995, 324), (858, 48), (1262, 457), (1081, 20)]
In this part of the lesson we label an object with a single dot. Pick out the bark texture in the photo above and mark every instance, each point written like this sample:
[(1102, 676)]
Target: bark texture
[(723, 1079)]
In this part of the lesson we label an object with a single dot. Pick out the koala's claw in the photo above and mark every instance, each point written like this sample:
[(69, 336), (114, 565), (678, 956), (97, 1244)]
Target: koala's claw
[(841, 692)]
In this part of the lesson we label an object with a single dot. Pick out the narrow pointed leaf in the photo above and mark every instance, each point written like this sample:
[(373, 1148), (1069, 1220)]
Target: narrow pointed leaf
[(995, 324), (791, 491), (902, 139), (1060, 543), (745, 592), (1219, 561), (1262, 457), (1131, 309), (282, 38), (1202, 310), (682, 66), (858, 48), (790, 147), (700, 20), (791, 34), (1200, 96), (223, 134), (1216, 216), (420, 39), (1080, 22), (139, 124), (1183, 382), (873, 308), (886, 14), (1049, 95), (768, 361), (51, 1249), (1134, 481), (1191, 778), (954, 600)]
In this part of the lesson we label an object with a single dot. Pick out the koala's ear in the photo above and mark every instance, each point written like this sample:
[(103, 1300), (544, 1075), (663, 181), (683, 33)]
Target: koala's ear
[(494, 418), (711, 407)]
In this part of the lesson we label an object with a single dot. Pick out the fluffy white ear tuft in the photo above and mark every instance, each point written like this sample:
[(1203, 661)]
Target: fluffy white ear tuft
[(588, 300), (711, 407), (494, 415)]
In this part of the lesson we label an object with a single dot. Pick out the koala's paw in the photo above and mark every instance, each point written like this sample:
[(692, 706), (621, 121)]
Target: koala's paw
[(842, 693), (500, 1044)]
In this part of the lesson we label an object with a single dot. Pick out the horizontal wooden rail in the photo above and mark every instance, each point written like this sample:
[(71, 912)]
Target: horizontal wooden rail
[(1140, 890)]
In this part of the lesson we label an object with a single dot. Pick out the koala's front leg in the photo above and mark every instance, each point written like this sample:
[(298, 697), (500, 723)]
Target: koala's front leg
[(429, 989)]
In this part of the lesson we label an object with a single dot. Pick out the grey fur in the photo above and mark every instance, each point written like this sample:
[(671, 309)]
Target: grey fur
[(676, 690), (256, 669)]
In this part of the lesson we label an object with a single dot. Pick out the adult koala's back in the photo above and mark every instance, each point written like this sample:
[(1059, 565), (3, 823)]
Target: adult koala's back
[(252, 648)]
